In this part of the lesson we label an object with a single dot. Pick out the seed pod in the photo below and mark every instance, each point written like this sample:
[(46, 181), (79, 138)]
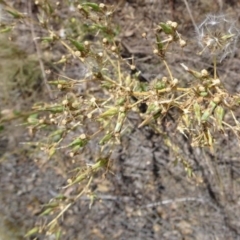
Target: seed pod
[(219, 114), (120, 121), (55, 109), (105, 139), (210, 139), (110, 112), (185, 118), (197, 111), (203, 94), (56, 135), (121, 101), (196, 74), (208, 112), (78, 143)]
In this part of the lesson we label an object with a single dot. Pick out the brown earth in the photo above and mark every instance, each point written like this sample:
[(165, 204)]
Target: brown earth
[(147, 196)]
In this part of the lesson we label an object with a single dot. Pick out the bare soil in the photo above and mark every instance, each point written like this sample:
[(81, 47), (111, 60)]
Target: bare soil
[(146, 195)]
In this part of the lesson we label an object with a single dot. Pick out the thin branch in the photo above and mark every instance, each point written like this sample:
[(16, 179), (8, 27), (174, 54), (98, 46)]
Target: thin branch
[(169, 201), (39, 54), (191, 16)]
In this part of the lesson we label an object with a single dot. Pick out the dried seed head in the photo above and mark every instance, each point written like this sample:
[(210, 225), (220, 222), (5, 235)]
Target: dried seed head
[(86, 43), (128, 89), (102, 5), (41, 121), (100, 54), (217, 100), (93, 100), (217, 36), (78, 54), (71, 154), (132, 67), (164, 79), (216, 82), (64, 121), (201, 89), (204, 73), (75, 104), (105, 40), (113, 48), (83, 136), (122, 109), (174, 25), (175, 81), (168, 89), (144, 35), (169, 23), (182, 43), (53, 120), (65, 102)]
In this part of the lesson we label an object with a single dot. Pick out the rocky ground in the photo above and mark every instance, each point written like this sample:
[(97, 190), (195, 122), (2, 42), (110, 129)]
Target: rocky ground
[(146, 195)]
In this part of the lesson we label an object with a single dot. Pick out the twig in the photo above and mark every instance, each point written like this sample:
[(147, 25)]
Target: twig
[(169, 201), (39, 53), (191, 16)]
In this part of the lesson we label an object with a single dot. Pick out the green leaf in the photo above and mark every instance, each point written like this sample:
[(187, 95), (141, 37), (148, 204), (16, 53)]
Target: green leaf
[(6, 29), (46, 212), (78, 143), (166, 28), (33, 119), (55, 109), (159, 43), (105, 139), (79, 46), (15, 13), (93, 6), (32, 232), (58, 235)]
